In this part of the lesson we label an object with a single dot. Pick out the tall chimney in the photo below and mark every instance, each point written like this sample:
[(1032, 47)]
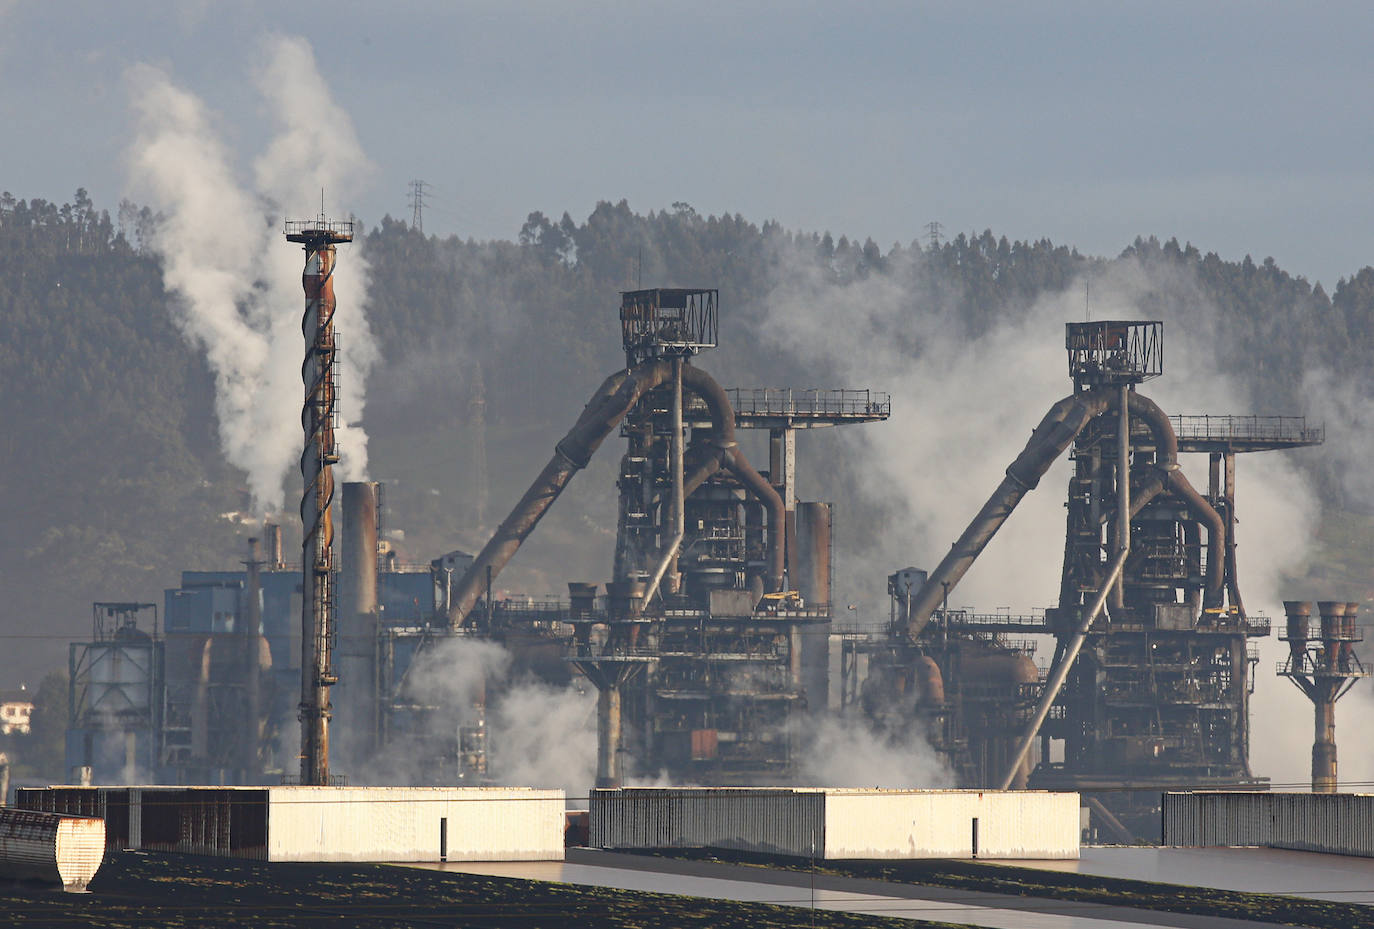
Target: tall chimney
[(1324, 669), (275, 556), (319, 238), (356, 694)]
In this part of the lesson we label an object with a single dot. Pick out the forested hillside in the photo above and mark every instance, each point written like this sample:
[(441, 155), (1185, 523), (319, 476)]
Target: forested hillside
[(111, 475)]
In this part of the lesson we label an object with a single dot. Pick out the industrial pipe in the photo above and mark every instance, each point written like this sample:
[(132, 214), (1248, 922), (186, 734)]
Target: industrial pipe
[(1123, 478), (616, 396), (758, 485), (1061, 425), (1061, 670), (1174, 480), (727, 454), (610, 404), (676, 506)]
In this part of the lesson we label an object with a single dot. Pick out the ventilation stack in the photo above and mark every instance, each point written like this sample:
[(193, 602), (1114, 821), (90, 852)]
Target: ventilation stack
[(1324, 668), (318, 237)]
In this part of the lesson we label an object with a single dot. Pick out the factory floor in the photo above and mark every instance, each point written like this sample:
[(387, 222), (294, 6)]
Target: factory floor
[(750, 883)]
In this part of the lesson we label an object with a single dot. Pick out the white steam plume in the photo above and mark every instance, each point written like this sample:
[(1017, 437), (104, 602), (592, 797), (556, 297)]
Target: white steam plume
[(538, 734), (237, 278), (963, 407), (1348, 412), (846, 753)]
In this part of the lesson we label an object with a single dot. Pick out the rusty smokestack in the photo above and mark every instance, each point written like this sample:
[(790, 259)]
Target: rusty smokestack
[(608, 737), (1299, 614), (1332, 625), (581, 599), (318, 238), (811, 565), (356, 693), (1324, 669), (275, 556), (249, 651)]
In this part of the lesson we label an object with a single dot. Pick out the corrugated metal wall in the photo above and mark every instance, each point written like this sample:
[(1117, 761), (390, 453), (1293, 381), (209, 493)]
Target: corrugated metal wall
[(941, 824), (415, 824), (322, 823), (776, 821), (64, 851), (1341, 824), (835, 823)]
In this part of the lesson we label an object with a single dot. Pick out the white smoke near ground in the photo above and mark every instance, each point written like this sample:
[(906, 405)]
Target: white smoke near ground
[(962, 409), (238, 280), (845, 753), (538, 734), (545, 736), (1348, 414)]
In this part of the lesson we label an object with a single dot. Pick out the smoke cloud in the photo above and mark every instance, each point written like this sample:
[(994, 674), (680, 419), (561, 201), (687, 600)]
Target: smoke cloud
[(224, 255), (538, 734), (845, 753)]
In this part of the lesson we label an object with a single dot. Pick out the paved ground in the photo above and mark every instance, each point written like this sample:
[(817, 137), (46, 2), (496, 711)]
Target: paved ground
[(1340, 878), (853, 895)]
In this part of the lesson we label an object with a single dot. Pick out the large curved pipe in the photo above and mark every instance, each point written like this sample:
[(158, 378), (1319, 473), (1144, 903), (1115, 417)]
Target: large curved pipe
[(612, 401), (724, 452), (616, 396), (1213, 589), (1061, 425), (1166, 444), (755, 483)]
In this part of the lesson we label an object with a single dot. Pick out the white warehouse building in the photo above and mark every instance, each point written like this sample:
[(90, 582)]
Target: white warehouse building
[(834, 823), (322, 823)]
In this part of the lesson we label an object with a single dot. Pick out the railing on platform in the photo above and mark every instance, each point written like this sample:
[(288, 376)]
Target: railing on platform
[(791, 401), (1283, 429)]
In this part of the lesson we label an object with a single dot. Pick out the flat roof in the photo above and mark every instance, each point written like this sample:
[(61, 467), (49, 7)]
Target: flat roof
[(1338, 878)]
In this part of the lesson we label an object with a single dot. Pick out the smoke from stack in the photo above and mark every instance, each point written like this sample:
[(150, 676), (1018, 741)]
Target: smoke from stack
[(220, 244)]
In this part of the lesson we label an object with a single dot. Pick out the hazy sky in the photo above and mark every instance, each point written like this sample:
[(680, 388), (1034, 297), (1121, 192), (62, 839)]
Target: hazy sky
[(1243, 127)]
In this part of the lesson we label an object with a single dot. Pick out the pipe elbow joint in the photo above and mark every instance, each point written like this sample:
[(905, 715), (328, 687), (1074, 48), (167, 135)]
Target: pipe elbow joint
[(576, 461)]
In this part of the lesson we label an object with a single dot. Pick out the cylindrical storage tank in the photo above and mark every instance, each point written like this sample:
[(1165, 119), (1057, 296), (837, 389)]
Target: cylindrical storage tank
[(1299, 614), (60, 851), (930, 681), (581, 599), (358, 585), (811, 566), (1011, 670), (1332, 624), (354, 697)]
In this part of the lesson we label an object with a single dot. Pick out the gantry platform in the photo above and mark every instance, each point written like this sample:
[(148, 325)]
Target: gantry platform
[(1231, 434)]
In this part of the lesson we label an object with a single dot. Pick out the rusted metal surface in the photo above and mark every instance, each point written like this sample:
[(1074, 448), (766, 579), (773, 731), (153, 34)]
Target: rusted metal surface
[(1051, 437), (667, 320), (1322, 664), (1341, 824), (607, 407), (57, 850), (319, 418), (1113, 352), (355, 697)]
